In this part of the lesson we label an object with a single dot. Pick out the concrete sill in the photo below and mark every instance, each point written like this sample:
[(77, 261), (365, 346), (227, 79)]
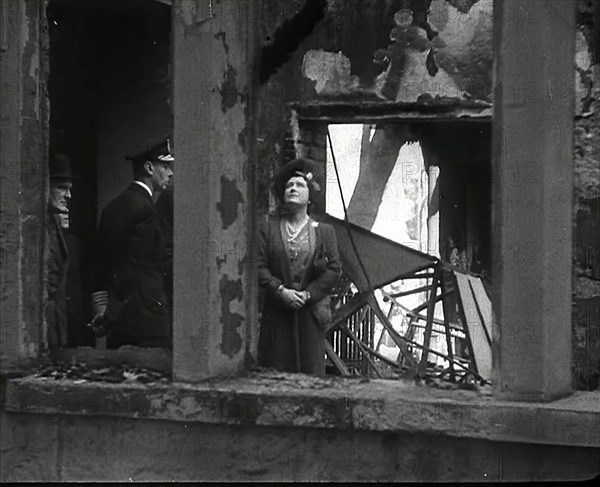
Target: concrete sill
[(276, 399)]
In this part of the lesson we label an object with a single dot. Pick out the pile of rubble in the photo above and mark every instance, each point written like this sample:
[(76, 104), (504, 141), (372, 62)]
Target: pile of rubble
[(113, 373)]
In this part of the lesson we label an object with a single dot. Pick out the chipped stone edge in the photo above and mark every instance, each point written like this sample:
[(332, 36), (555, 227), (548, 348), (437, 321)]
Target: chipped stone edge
[(573, 421)]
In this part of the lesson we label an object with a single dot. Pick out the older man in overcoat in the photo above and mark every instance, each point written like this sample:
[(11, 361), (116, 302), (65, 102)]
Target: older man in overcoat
[(57, 254)]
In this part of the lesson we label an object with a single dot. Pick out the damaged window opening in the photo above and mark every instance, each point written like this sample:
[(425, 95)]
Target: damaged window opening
[(110, 96), (416, 196)]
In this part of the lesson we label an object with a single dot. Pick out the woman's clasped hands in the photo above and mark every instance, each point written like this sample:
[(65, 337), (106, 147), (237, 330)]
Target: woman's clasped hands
[(293, 299)]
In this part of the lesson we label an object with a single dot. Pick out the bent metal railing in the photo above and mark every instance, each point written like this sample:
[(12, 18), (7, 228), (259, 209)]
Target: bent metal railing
[(372, 263)]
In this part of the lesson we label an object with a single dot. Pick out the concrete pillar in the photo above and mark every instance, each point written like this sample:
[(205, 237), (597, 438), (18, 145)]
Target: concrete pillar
[(433, 214), (214, 285), (23, 163), (532, 197)]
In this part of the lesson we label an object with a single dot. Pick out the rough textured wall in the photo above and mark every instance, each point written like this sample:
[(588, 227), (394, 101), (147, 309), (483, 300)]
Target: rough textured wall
[(214, 285), (586, 214), (24, 144), (419, 50), (63, 448), (443, 48)]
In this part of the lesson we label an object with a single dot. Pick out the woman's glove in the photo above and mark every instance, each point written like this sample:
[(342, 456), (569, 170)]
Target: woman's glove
[(293, 299)]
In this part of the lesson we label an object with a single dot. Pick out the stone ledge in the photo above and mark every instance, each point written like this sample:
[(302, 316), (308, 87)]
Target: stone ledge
[(334, 403)]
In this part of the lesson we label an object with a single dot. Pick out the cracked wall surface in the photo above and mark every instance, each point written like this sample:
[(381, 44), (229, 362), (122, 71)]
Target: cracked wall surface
[(64, 448), (586, 211), (430, 52), (24, 146), (278, 426), (427, 51), (213, 130)]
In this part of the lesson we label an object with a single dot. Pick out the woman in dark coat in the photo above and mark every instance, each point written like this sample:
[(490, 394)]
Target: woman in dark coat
[(298, 266)]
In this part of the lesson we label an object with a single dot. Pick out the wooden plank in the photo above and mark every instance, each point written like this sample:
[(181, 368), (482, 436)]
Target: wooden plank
[(375, 353), (383, 329), (484, 304), (360, 345), (396, 337), (482, 350), (339, 363), (350, 307), (447, 327), (410, 291), (429, 323), (415, 315)]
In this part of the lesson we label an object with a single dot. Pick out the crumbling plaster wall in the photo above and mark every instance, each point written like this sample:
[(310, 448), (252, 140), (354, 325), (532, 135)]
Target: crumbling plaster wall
[(214, 285), (368, 51), (373, 50), (419, 48), (586, 211), (24, 154), (78, 448)]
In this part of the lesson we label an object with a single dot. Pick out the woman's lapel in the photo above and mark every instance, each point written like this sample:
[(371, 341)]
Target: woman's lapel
[(318, 239), (279, 251), (317, 233)]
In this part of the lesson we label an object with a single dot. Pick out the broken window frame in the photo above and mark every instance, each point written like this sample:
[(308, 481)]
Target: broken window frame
[(316, 117)]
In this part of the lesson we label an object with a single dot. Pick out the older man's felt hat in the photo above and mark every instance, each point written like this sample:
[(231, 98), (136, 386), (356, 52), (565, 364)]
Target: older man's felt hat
[(60, 167), (302, 167), (156, 152)]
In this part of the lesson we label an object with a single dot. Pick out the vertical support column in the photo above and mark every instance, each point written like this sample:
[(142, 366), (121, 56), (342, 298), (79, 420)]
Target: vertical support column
[(23, 176), (433, 213), (214, 289), (534, 44)]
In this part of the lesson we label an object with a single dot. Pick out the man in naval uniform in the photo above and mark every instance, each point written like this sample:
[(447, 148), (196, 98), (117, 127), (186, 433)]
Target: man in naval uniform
[(129, 298)]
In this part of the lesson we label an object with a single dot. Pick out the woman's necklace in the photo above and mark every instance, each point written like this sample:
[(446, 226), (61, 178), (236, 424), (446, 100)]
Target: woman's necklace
[(293, 232)]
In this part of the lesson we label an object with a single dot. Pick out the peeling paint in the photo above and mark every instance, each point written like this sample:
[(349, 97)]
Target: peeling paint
[(295, 129), (584, 75), (31, 56), (330, 71), (418, 81), (34, 66), (192, 15), (228, 89), (221, 36), (437, 48), (242, 264), (188, 12), (231, 197), (463, 5), (231, 340), (242, 136)]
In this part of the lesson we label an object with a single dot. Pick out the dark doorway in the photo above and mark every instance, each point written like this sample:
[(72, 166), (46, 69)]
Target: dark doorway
[(109, 88)]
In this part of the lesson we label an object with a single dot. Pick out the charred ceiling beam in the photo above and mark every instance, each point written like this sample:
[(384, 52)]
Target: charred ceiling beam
[(288, 36), (354, 112)]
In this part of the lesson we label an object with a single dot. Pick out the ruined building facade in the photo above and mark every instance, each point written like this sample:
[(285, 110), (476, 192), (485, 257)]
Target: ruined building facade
[(503, 99)]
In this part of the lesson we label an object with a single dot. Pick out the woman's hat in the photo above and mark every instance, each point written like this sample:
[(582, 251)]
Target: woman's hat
[(302, 167)]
